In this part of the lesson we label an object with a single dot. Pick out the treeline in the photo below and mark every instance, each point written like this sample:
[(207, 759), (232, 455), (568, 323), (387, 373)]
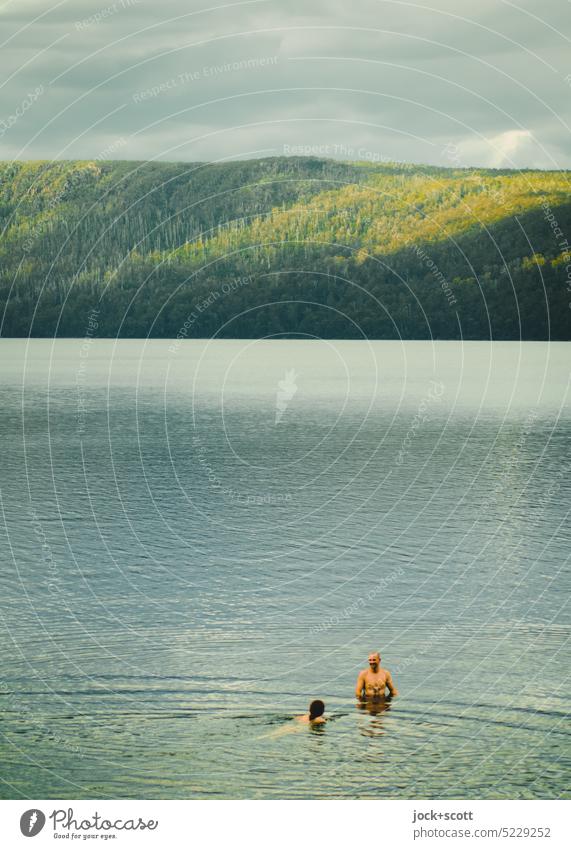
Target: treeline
[(283, 246)]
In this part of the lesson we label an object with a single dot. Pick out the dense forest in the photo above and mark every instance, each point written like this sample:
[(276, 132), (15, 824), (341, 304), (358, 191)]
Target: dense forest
[(283, 246)]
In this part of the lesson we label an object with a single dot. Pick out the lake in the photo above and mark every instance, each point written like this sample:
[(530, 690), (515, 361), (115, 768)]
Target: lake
[(201, 536)]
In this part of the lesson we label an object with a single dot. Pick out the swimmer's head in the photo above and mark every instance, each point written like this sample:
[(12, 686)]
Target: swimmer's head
[(374, 660), (316, 709)]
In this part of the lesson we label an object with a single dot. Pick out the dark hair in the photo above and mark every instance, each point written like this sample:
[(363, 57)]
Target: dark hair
[(316, 709)]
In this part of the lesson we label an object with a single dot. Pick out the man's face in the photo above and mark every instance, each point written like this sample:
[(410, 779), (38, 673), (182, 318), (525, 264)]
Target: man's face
[(374, 661)]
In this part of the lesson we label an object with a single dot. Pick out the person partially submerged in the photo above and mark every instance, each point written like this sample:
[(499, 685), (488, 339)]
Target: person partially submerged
[(315, 714), (373, 682)]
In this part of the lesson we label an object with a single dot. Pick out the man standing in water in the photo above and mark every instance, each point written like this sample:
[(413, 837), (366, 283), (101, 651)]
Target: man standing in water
[(373, 682)]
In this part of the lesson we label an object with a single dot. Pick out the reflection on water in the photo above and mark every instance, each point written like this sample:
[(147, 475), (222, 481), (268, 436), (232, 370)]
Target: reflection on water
[(194, 552)]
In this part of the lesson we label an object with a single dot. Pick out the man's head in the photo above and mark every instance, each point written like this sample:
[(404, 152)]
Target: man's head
[(374, 661), (316, 709)]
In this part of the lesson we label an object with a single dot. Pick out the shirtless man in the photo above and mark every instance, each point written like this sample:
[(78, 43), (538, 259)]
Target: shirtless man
[(373, 682)]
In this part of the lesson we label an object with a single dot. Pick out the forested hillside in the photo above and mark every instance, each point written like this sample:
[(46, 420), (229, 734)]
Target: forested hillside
[(283, 246)]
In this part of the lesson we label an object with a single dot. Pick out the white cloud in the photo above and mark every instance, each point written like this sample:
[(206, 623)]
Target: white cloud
[(507, 145), (516, 148)]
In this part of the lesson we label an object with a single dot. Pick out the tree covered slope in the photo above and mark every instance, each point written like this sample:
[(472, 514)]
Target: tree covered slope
[(289, 246)]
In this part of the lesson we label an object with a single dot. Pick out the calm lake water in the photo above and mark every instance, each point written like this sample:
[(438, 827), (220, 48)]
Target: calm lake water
[(200, 537)]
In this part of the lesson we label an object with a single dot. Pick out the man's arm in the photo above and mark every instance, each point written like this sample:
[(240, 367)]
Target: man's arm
[(360, 686), (390, 684)]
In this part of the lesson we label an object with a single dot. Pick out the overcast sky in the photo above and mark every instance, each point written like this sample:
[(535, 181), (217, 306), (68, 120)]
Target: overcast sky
[(443, 81)]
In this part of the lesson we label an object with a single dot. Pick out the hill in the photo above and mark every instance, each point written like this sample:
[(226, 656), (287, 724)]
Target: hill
[(290, 246)]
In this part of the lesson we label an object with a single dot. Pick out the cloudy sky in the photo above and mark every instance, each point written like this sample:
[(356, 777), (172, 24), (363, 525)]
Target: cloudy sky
[(443, 81)]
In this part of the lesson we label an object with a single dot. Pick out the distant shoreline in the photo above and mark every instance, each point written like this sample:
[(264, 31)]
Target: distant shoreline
[(282, 339)]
